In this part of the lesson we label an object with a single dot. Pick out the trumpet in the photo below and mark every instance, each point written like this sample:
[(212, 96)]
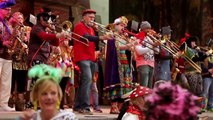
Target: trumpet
[(67, 26)]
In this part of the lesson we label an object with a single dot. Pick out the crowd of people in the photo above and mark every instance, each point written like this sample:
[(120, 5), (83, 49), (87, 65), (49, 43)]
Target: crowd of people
[(40, 70)]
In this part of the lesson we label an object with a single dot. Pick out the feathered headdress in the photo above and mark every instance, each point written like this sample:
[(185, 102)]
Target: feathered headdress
[(122, 20), (43, 70)]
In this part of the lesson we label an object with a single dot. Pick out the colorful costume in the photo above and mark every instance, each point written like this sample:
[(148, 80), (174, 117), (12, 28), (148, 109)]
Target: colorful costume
[(117, 72), (5, 60)]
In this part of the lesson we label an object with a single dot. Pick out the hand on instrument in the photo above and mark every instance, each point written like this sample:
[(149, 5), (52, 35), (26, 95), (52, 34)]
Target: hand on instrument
[(7, 43), (64, 34), (209, 52), (135, 41), (211, 70), (106, 37), (26, 50), (178, 54), (157, 43)]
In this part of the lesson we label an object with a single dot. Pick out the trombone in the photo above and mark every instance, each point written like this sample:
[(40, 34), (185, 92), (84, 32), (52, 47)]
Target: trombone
[(175, 51), (137, 37), (103, 29), (67, 26)]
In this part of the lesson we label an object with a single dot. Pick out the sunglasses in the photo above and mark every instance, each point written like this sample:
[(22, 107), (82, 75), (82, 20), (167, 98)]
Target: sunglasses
[(46, 17)]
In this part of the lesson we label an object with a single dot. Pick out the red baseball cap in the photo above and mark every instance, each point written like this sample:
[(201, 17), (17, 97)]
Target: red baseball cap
[(88, 11)]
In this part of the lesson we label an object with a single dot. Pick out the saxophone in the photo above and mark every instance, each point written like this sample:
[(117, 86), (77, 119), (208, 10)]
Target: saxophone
[(19, 47), (13, 37)]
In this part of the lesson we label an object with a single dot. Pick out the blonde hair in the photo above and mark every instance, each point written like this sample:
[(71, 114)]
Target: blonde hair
[(17, 14), (13, 19), (43, 84)]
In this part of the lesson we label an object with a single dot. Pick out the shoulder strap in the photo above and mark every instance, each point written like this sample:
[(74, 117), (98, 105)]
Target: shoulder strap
[(6, 26)]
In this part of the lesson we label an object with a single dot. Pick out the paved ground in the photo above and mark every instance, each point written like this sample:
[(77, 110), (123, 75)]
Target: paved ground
[(97, 116), (206, 116)]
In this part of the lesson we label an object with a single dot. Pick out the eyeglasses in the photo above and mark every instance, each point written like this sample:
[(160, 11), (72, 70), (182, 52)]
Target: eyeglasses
[(90, 16)]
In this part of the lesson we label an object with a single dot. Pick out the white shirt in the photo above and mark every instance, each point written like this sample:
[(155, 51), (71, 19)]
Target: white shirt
[(130, 116)]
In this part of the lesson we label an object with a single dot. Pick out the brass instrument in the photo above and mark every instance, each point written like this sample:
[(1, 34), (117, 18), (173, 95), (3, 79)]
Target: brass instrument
[(55, 55), (16, 40), (137, 37), (12, 38), (174, 52), (109, 31), (103, 28), (19, 46), (174, 74), (67, 26)]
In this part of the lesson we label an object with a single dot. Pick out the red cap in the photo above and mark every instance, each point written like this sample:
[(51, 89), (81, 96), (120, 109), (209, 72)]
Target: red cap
[(182, 40), (88, 11), (140, 91)]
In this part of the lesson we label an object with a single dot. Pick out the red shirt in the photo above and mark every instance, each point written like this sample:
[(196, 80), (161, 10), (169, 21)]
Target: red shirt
[(81, 51)]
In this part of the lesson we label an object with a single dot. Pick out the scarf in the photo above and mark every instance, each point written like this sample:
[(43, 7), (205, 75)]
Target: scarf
[(135, 110)]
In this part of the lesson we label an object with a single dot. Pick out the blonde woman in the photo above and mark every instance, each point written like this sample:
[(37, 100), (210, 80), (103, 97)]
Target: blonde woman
[(46, 95), (19, 57)]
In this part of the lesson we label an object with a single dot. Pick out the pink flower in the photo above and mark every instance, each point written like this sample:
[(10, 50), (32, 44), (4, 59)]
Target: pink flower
[(169, 102)]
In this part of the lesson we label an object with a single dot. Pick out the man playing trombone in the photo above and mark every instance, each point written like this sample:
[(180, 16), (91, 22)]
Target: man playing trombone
[(42, 36), (84, 57)]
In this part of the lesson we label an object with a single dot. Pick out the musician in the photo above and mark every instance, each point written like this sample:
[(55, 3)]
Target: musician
[(19, 56), (145, 51), (5, 59), (117, 71), (207, 72), (192, 74), (163, 59), (179, 63), (84, 57), (41, 38)]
